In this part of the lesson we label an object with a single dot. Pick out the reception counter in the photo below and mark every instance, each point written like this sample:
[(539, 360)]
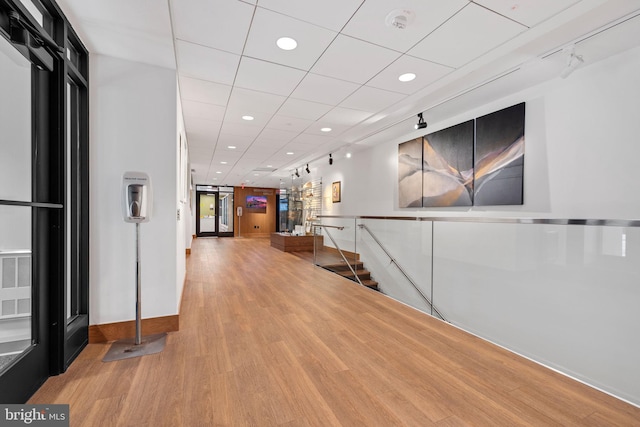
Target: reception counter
[(289, 243)]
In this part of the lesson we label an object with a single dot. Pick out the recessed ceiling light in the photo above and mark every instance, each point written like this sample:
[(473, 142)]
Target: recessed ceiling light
[(269, 166), (231, 147), (289, 153), (218, 172), (325, 130), (348, 155), (223, 163), (247, 118), (256, 174), (407, 77), (286, 43)]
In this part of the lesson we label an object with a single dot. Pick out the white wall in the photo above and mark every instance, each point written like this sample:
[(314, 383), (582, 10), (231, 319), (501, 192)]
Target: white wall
[(133, 128), (581, 152), (183, 171)]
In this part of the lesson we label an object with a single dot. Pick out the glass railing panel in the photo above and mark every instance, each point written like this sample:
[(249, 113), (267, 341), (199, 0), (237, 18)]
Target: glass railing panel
[(564, 295), (398, 255), (336, 244)]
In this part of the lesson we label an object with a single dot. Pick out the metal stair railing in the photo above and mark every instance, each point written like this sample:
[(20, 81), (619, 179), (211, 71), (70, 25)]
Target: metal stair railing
[(404, 273), (337, 247)]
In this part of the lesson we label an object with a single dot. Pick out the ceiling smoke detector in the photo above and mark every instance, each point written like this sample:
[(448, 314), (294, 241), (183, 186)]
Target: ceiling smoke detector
[(400, 18)]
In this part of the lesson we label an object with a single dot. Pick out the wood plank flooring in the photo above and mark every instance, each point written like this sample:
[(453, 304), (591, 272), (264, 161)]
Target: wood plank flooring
[(267, 339)]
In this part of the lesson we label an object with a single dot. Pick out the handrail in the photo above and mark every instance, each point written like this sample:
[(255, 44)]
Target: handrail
[(15, 252), (404, 273), (502, 220), (337, 247)]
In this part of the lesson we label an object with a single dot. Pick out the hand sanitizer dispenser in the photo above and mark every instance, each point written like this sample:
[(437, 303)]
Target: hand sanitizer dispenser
[(136, 197)]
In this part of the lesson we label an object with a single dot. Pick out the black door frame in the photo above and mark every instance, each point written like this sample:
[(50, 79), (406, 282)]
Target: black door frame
[(217, 213), (56, 54)]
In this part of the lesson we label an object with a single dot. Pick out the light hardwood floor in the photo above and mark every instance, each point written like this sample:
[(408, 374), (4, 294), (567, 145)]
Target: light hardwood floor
[(267, 339)]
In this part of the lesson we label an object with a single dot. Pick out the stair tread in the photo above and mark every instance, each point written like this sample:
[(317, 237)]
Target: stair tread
[(340, 266)]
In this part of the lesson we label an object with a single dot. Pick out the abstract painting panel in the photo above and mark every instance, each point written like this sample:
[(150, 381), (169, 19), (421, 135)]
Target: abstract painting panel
[(447, 169), (410, 174), (499, 157)]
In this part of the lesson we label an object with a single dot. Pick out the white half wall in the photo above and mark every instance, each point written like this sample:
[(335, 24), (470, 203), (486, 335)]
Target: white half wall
[(132, 128), (581, 152)]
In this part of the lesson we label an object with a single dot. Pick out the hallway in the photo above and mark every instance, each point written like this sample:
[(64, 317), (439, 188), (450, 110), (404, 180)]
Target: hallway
[(268, 339)]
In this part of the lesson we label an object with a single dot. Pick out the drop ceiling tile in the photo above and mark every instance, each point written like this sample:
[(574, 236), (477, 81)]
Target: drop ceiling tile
[(202, 127), (289, 124), (219, 24), (345, 116), (371, 99), (426, 73), (205, 63), (469, 34), (527, 13), (336, 128), (224, 158), (200, 141), (369, 22), (323, 89), (239, 130), (310, 139), (260, 120), (353, 60), (331, 14), (268, 27), (275, 136), (256, 101), (304, 109), (203, 110), (259, 153), (204, 91), (267, 77), (201, 153)]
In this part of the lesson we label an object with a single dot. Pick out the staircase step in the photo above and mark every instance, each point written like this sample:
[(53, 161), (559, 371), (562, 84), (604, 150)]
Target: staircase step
[(372, 284), (342, 266), (362, 274)]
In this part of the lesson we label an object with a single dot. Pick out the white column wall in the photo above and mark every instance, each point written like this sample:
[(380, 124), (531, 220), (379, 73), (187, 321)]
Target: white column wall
[(183, 235), (581, 152), (132, 128)]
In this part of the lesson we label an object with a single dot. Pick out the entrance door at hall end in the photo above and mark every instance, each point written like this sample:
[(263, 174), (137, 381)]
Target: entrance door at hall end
[(207, 214)]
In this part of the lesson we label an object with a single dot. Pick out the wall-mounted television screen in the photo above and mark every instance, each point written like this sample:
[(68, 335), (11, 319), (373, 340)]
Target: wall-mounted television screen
[(257, 204)]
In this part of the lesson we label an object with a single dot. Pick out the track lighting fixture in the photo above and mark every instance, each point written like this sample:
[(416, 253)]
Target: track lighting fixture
[(421, 123), (297, 173), (330, 159), (307, 168)]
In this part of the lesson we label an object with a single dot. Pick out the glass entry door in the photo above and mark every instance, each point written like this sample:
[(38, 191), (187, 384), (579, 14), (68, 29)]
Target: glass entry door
[(27, 217), (207, 214)]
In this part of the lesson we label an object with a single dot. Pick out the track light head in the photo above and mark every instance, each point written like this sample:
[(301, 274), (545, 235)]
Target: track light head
[(297, 173), (421, 123), (307, 168), (330, 159)]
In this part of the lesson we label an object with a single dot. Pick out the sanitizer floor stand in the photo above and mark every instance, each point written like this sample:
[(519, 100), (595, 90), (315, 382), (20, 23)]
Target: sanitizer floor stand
[(138, 346)]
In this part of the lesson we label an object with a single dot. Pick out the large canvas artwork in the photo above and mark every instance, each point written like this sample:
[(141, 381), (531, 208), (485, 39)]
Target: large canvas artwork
[(410, 174), (448, 167), (499, 157)]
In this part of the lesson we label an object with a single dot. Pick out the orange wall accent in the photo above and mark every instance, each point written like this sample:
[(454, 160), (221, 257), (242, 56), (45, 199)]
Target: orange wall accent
[(255, 224)]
